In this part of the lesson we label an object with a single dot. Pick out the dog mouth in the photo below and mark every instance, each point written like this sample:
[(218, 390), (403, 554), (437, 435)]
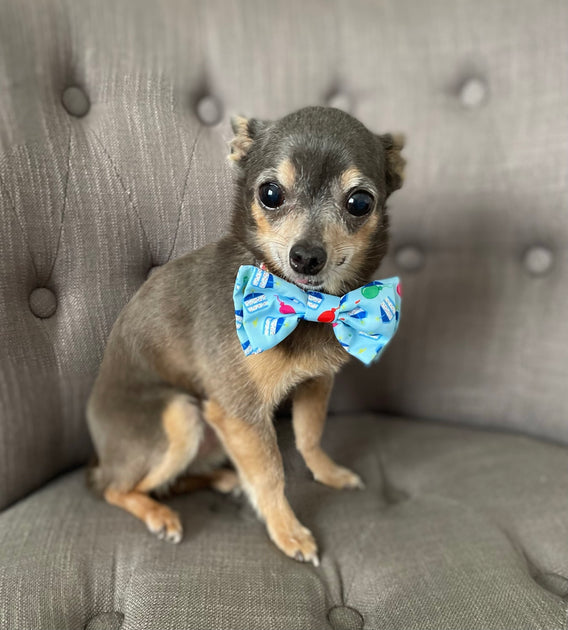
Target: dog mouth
[(307, 283), (302, 281), (315, 282)]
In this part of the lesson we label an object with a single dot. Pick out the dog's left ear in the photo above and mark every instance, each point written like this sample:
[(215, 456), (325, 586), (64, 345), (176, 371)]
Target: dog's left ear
[(246, 131), (395, 163)]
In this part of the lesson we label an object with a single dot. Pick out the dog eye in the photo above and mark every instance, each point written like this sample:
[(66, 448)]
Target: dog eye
[(360, 202), (271, 195)]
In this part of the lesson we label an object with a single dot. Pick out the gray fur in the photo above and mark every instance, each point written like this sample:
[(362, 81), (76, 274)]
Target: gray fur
[(177, 334), (321, 142)]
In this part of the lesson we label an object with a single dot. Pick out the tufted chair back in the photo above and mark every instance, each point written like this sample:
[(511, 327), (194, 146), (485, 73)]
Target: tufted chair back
[(113, 139)]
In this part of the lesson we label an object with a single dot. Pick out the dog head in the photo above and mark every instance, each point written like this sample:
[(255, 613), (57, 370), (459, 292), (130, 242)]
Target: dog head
[(311, 196)]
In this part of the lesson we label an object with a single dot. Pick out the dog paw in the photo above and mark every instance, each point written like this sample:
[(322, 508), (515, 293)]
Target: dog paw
[(296, 542), (339, 477), (164, 523)]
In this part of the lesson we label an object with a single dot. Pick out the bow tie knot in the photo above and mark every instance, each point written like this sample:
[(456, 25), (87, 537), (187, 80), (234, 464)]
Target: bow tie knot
[(268, 309)]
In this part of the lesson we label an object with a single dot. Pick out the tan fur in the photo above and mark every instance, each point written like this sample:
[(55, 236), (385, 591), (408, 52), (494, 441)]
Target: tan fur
[(254, 451), (361, 239), (308, 419), (351, 246), (242, 141), (159, 518), (275, 238), (263, 223), (350, 178), (286, 174), (282, 231), (183, 431), (275, 373)]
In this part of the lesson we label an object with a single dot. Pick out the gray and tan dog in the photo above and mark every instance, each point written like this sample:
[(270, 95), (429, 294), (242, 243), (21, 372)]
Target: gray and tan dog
[(175, 393)]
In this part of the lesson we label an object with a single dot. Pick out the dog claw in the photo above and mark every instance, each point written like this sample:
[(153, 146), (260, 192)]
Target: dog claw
[(174, 537), (313, 558), (297, 543), (164, 524)]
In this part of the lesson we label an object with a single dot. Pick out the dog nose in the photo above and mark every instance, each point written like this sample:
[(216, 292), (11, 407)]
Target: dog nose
[(307, 258)]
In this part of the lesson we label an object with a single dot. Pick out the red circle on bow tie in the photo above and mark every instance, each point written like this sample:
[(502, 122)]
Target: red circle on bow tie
[(327, 316)]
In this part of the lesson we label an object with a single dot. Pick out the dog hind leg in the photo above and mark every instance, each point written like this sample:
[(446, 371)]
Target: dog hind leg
[(183, 429)]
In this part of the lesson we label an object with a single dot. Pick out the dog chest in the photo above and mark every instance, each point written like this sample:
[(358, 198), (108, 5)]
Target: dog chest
[(277, 371)]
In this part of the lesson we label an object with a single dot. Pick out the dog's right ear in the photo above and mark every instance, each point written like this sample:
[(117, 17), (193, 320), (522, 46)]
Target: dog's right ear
[(246, 131)]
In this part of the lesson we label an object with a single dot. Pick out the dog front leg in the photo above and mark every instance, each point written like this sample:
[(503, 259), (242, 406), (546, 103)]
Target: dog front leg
[(254, 451), (309, 410)]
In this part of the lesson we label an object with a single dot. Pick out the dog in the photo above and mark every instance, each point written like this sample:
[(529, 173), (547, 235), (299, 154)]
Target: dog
[(176, 396)]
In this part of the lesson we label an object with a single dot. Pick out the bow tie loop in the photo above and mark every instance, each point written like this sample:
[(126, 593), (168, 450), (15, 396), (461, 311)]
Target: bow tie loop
[(268, 309)]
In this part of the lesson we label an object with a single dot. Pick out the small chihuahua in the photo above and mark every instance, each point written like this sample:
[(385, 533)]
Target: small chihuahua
[(176, 395)]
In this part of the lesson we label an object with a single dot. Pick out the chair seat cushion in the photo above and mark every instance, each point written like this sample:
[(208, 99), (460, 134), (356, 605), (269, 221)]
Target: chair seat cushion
[(456, 528)]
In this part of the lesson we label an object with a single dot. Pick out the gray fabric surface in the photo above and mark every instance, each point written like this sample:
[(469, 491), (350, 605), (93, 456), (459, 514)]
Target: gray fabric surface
[(456, 529), (111, 162), (113, 132)]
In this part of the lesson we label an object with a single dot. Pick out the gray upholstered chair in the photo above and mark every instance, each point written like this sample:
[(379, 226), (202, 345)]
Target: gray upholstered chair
[(113, 131)]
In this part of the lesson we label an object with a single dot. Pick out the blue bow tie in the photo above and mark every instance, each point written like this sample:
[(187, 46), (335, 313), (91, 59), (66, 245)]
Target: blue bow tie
[(268, 309)]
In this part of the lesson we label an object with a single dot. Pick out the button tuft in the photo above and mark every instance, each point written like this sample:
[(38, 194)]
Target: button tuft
[(340, 100), (43, 302), (75, 101), (538, 260), (209, 110), (409, 258), (473, 93)]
